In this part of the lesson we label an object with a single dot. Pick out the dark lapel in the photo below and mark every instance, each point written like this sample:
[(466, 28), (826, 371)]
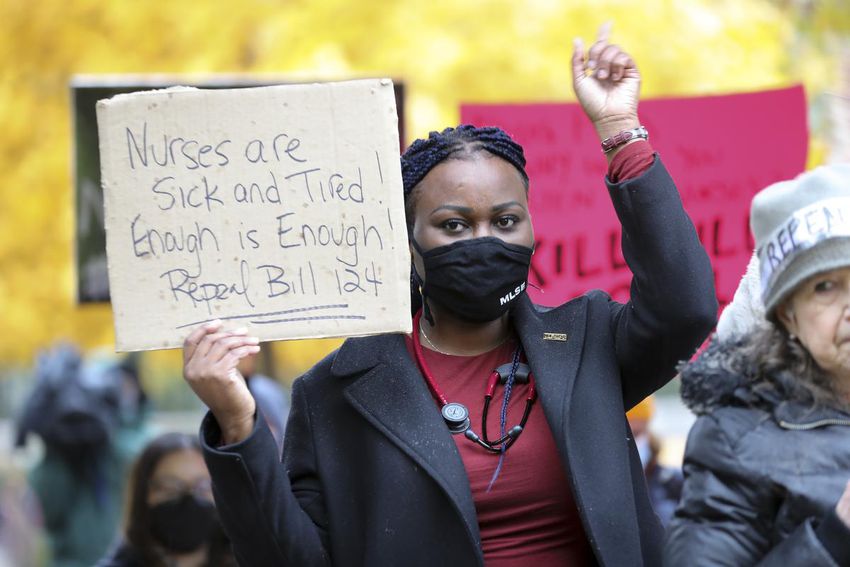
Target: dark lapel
[(392, 395), (554, 362)]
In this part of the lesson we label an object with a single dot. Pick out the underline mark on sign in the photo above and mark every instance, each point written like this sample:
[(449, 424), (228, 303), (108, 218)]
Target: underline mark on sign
[(284, 312), (316, 318)]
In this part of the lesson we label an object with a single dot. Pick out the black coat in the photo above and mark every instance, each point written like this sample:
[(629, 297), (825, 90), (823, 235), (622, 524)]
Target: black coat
[(374, 477), (764, 470)]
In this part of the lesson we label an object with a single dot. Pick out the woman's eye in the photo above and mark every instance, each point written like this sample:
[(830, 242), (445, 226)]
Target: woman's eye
[(824, 286), (506, 222), (454, 225)]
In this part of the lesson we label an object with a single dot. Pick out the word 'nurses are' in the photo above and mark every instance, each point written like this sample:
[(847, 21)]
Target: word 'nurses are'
[(192, 154)]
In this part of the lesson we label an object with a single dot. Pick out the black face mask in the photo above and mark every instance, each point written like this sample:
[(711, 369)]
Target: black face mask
[(184, 524), (478, 279)]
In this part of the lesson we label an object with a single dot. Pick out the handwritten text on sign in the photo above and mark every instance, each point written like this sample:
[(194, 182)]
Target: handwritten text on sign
[(721, 150), (277, 208)]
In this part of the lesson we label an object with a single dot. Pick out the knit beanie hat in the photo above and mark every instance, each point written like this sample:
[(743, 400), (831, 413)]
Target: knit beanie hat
[(802, 228)]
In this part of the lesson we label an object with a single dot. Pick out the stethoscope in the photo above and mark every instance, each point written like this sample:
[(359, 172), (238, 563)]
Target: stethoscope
[(456, 415)]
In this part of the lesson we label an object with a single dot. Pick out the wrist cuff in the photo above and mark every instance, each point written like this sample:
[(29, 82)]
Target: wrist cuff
[(632, 161)]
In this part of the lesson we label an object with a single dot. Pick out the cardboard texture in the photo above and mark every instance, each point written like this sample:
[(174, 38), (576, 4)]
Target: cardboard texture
[(721, 150), (275, 208)]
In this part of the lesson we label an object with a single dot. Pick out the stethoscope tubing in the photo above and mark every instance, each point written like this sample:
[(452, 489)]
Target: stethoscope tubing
[(506, 441)]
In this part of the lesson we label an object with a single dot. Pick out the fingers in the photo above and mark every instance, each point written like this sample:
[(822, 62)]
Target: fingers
[(225, 344), (243, 351), (208, 345), (609, 61), (212, 338), (598, 56), (599, 45), (196, 336), (231, 359), (604, 32), (620, 64), (578, 58), (606, 60)]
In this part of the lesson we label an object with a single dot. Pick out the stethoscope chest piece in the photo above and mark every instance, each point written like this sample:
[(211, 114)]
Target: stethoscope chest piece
[(456, 416)]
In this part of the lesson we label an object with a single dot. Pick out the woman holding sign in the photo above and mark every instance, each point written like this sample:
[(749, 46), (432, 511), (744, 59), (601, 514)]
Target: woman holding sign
[(496, 433)]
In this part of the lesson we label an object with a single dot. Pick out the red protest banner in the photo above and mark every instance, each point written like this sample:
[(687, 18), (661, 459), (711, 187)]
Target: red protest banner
[(721, 150)]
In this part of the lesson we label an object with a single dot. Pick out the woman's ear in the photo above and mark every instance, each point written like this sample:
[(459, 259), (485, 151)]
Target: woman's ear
[(786, 316)]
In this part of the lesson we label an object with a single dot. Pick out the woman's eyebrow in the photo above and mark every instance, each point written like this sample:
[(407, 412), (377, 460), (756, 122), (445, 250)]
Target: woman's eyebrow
[(509, 204), (455, 208)]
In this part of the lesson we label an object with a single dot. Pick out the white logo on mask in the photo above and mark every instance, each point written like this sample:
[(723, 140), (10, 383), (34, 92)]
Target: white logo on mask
[(510, 296)]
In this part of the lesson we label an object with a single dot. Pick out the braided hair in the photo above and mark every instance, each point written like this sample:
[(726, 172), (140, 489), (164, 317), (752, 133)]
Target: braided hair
[(454, 143), (461, 142)]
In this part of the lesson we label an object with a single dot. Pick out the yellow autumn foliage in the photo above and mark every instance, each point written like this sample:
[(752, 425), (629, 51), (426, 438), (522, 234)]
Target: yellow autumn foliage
[(446, 52)]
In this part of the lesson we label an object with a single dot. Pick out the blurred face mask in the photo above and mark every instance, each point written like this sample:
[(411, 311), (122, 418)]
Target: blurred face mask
[(184, 524)]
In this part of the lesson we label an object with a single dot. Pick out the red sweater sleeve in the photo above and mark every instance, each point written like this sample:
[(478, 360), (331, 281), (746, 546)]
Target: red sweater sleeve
[(631, 162)]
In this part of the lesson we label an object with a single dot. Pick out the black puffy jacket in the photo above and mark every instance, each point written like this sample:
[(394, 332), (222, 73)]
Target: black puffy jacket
[(763, 472)]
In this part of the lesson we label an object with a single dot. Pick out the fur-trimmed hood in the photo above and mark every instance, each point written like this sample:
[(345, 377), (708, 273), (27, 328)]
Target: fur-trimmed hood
[(723, 376)]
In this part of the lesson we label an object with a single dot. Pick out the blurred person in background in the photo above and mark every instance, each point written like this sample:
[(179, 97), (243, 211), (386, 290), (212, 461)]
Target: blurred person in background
[(90, 418), (171, 519), (271, 396), (664, 483), (767, 463)]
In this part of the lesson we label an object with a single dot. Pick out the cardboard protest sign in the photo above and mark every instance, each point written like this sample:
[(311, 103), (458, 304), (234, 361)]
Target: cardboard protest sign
[(721, 150), (276, 208)]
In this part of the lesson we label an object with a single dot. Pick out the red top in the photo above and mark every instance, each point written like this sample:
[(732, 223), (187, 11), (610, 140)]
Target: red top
[(630, 162), (529, 517)]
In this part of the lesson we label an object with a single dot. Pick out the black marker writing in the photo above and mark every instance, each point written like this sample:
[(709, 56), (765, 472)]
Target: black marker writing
[(184, 284), (170, 195), (255, 150), (253, 193), (280, 283), (153, 242), (191, 154)]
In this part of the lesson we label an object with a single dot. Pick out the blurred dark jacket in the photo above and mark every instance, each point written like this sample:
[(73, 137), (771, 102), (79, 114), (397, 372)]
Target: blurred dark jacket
[(763, 472)]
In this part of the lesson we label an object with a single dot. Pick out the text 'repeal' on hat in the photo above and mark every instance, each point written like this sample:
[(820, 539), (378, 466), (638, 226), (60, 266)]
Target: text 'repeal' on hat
[(802, 228)]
